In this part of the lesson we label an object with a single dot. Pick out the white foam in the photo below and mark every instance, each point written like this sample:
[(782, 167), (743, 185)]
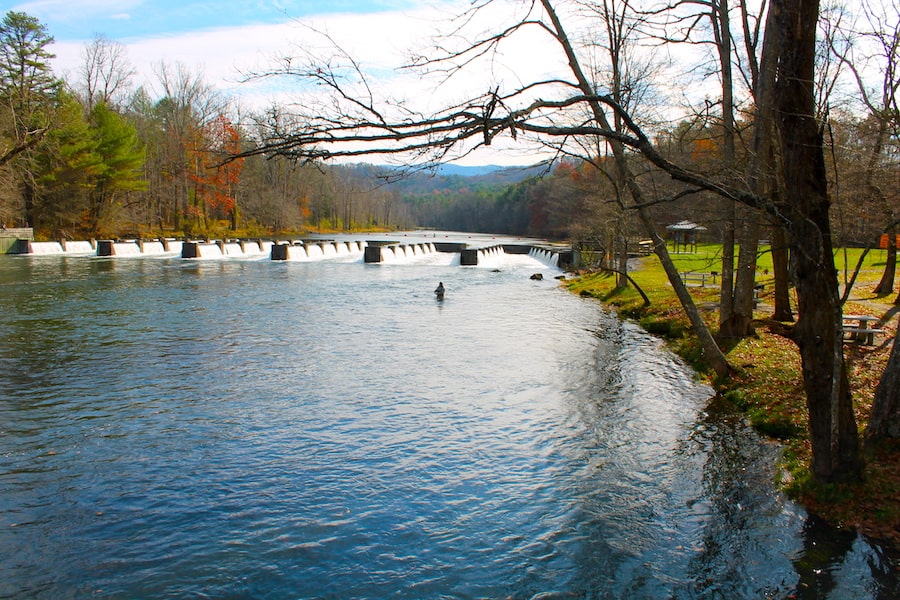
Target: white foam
[(80, 247), (209, 251), (297, 252), (153, 248), (126, 249), (549, 258), (252, 249), (233, 249), (46, 248)]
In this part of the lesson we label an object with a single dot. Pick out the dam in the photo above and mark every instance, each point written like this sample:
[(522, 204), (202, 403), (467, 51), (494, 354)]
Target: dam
[(468, 250)]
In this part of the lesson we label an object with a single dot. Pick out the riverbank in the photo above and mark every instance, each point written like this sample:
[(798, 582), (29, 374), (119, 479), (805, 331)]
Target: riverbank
[(768, 384)]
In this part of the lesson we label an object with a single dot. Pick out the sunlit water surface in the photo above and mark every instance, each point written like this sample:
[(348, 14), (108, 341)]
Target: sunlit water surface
[(259, 429)]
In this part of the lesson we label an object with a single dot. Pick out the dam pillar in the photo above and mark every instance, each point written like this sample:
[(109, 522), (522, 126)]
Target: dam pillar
[(373, 254), (279, 252), (190, 250), (468, 257), (105, 248)]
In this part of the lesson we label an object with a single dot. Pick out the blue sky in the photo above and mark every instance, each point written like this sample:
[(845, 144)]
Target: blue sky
[(127, 20), (216, 38)]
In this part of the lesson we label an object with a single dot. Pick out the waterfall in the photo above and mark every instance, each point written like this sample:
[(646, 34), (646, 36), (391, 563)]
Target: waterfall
[(251, 249), (126, 249), (233, 249), (391, 252), (548, 257), (80, 247), (209, 251), (43, 248), (153, 249), (297, 252)]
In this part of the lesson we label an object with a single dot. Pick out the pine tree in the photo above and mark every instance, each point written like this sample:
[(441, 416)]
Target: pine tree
[(28, 91)]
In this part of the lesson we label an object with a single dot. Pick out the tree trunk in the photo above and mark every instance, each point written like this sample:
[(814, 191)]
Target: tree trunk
[(621, 279), (886, 285), (730, 324), (833, 432), (711, 350), (767, 177), (726, 295), (884, 421), (741, 322), (779, 247)]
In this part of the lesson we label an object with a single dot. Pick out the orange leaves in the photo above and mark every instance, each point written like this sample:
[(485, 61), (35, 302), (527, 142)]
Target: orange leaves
[(217, 174), (305, 210), (704, 149)]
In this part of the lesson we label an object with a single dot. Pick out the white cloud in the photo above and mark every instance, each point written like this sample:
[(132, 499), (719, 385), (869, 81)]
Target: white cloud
[(379, 42), (80, 10)]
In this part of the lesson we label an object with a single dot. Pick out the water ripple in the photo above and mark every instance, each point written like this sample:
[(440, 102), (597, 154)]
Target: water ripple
[(312, 430)]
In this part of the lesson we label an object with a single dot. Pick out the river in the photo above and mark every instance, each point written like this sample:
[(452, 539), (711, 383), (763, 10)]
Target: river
[(327, 429)]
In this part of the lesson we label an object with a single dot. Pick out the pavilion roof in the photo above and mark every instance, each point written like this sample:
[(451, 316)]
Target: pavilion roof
[(686, 226)]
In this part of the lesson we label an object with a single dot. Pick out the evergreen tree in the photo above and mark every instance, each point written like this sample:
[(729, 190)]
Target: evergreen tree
[(28, 91), (121, 157), (68, 163)]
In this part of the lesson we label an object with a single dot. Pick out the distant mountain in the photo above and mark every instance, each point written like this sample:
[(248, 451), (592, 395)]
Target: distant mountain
[(463, 171), (520, 172), (509, 173), (444, 178)]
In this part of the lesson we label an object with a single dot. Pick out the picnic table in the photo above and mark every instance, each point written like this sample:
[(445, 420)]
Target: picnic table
[(856, 328), (689, 277)]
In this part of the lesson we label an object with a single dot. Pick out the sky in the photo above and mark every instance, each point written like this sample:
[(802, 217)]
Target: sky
[(222, 39), (131, 20), (217, 38)]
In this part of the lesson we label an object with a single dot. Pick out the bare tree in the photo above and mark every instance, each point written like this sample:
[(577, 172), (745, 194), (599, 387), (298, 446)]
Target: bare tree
[(879, 48), (187, 104), (708, 23), (105, 72), (875, 47), (628, 77)]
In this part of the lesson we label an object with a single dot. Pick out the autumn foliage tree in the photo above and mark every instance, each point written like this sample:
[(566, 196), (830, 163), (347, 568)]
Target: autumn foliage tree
[(215, 177)]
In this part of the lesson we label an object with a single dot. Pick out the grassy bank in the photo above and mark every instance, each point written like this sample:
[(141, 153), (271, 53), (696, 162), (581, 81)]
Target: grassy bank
[(768, 385)]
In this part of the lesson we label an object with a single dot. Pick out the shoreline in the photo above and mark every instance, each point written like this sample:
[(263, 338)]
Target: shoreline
[(767, 388)]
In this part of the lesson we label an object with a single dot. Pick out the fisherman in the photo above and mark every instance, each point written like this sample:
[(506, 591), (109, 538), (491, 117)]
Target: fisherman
[(439, 290)]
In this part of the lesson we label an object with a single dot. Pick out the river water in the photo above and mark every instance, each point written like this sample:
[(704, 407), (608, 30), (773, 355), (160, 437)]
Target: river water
[(326, 429)]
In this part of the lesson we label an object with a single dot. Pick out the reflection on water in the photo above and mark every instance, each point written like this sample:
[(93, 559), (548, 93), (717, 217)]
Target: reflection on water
[(259, 429)]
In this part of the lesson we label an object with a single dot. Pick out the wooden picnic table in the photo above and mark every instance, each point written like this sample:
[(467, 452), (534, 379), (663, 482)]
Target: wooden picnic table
[(856, 328)]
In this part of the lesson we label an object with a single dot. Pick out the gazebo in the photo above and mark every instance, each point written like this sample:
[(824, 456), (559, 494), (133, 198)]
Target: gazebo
[(684, 233)]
